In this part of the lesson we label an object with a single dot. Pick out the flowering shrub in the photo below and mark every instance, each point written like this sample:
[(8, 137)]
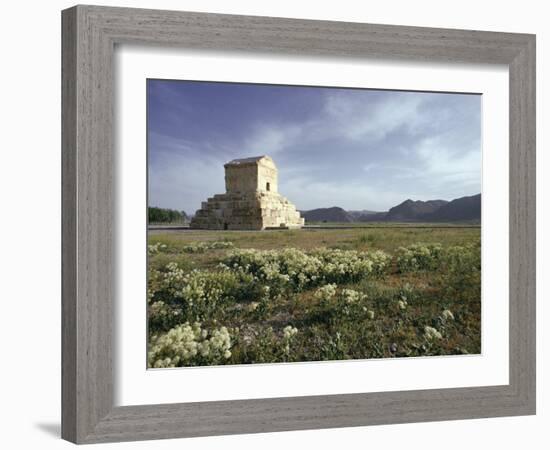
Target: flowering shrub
[(350, 303), (418, 257), (155, 248), (201, 247), (349, 296), (346, 303), (463, 260), (462, 267), (431, 333), (288, 334), (190, 296), (344, 266), (289, 331), (292, 268), (261, 308), (163, 316), (325, 293), (278, 268), (187, 345)]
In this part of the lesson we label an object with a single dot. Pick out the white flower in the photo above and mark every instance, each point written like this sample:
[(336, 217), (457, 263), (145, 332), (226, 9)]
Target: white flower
[(431, 333), (350, 296), (289, 331), (183, 343), (447, 315), (326, 292)]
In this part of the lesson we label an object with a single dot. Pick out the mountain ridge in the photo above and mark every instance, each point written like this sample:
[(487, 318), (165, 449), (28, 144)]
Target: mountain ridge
[(462, 209)]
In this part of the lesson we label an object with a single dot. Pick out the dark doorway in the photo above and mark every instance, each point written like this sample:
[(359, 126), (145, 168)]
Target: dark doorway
[(225, 226), (267, 186)]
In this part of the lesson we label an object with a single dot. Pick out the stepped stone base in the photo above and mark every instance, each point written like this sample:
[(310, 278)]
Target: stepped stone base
[(247, 211)]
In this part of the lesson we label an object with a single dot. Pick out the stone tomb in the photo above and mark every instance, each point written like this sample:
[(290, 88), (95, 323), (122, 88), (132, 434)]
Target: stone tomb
[(251, 200)]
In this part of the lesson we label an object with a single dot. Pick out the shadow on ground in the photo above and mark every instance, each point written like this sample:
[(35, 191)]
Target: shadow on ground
[(53, 429)]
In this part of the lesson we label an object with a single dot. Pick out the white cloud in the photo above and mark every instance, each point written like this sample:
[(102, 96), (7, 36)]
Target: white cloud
[(181, 175), (444, 163), (350, 196), (370, 167), (271, 139), (357, 118)]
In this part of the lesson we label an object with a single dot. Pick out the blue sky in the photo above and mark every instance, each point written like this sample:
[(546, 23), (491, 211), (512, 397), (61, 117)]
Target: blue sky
[(353, 148)]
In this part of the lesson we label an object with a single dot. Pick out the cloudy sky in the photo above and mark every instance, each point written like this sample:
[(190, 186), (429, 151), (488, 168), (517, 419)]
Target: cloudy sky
[(353, 148)]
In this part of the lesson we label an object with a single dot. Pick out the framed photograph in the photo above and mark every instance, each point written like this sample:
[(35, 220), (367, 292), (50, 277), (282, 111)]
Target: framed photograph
[(277, 224)]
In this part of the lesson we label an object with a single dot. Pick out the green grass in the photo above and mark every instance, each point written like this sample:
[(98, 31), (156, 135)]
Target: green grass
[(392, 224), (390, 320), (387, 239)]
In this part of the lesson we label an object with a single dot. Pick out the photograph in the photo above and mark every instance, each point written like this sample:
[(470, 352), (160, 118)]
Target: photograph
[(260, 225), (292, 224)]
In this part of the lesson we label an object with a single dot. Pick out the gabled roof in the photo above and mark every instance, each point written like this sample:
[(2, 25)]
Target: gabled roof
[(252, 159)]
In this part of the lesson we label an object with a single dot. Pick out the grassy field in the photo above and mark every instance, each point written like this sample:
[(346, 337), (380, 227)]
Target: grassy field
[(410, 225), (228, 297)]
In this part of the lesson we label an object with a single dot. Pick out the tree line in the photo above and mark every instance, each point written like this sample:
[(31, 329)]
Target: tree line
[(164, 215)]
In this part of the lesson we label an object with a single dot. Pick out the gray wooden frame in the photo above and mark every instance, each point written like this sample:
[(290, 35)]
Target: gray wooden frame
[(89, 36)]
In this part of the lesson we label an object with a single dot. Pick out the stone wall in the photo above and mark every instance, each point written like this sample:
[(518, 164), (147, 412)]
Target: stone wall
[(267, 176), (241, 179)]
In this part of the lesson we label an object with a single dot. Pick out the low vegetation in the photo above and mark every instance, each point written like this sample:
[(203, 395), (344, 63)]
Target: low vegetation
[(311, 295), (165, 216)]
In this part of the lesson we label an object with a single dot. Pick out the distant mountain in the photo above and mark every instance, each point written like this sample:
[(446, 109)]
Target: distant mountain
[(411, 210), (358, 215), (334, 214), (373, 217), (458, 210), (464, 209)]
